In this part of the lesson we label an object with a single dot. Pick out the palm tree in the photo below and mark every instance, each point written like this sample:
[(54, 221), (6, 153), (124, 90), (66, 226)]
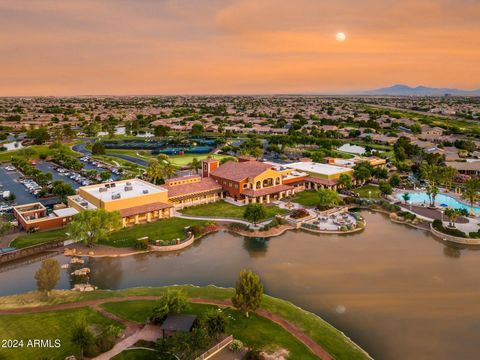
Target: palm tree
[(453, 215), (432, 175), (406, 197), (432, 192), (447, 176), (472, 187), (154, 171), (168, 169), (195, 165)]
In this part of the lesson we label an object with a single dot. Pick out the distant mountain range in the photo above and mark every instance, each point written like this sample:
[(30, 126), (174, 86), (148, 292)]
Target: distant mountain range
[(420, 91)]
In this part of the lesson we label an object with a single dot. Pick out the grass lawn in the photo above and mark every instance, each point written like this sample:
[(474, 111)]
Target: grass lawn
[(326, 335), (184, 160), (363, 191), (47, 325), (167, 229), (178, 160), (39, 149), (307, 198), (39, 238), (136, 354), (227, 210), (254, 331)]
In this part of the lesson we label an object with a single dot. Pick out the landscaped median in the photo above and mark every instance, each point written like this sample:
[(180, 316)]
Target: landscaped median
[(255, 331)]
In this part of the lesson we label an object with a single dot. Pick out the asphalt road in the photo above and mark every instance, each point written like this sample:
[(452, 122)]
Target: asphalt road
[(81, 148)]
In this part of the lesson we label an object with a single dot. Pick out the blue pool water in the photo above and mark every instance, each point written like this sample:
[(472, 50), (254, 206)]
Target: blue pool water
[(440, 199)]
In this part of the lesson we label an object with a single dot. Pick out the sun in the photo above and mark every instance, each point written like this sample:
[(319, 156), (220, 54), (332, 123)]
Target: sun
[(340, 37)]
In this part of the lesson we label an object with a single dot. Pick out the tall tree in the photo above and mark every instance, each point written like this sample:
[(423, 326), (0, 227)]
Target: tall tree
[(254, 212), (92, 226), (48, 276), (248, 292), (345, 181), (172, 302), (432, 174), (327, 198), (154, 171), (472, 186), (195, 165), (98, 148)]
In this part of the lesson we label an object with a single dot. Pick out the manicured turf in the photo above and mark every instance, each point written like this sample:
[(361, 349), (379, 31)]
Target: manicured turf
[(307, 198), (184, 160), (40, 149), (167, 229), (326, 335), (254, 331), (136, 354), (226, 210), (46, 325), (178, 160), (39, 238), (137, 310), (363, 191)]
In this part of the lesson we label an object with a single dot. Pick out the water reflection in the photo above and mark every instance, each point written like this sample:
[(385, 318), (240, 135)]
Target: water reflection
[(397, 291), (452, 252), (256, 246), (106, 272)]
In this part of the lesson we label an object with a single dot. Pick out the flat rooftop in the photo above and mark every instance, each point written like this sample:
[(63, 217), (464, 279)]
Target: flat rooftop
[(125, 189), (318, 168)]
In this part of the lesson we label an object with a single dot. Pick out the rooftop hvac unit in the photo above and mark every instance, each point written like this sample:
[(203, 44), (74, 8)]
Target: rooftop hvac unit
[(103, 189), (107, 186), (84, 204), (128, 188), (145, 191), (128, 183), (116, 196), (112, 185)]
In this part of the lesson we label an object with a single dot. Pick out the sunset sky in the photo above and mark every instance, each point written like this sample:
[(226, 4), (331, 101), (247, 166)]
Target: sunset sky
[(235, 46)]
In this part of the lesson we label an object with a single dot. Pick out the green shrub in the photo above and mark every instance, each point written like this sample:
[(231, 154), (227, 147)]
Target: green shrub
[(235, 345), (141, 244)]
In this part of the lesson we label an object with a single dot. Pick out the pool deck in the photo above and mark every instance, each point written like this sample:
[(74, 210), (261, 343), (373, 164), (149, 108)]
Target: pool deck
[(434, 214)]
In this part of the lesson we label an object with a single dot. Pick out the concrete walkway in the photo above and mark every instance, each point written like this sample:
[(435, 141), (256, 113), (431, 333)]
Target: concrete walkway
[(148, 332)]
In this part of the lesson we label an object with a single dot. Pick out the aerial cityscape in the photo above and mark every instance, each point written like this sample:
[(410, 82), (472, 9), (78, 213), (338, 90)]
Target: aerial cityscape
[(240, 179)]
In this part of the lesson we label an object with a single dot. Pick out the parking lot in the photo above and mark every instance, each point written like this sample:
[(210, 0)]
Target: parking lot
[(9, 181), (49, 167)]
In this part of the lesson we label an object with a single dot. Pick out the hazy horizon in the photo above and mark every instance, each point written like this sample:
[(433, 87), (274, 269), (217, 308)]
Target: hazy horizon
[(214, 47)]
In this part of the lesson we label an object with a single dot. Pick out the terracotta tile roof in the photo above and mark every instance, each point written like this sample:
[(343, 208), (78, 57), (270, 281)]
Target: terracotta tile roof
[(142, 209), (237, 171), (206, 184), (266, 191), (180, 178)]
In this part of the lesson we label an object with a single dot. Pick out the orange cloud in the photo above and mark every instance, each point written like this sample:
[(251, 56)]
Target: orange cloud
[(216, 46)]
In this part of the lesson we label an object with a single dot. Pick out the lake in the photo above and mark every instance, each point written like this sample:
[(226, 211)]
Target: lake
[(395, 290)]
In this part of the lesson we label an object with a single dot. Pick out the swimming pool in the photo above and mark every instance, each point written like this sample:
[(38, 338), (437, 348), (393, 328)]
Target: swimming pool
[(441, 199)]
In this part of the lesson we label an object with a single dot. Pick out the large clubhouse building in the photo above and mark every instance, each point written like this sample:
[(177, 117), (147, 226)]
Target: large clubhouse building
[(240, 182)]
